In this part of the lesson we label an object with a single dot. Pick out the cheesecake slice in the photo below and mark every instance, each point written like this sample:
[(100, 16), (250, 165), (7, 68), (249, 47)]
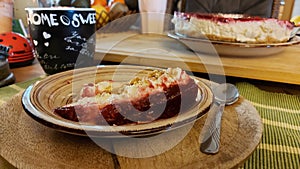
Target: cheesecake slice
[(158, 95), (232, 27)]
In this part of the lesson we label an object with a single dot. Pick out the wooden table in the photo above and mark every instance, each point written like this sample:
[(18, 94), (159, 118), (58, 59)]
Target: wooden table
[(162, 51), (265, 72), (28, 72)]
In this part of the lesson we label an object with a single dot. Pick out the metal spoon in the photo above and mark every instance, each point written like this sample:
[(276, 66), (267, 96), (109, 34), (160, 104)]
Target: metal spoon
[(224, 94)]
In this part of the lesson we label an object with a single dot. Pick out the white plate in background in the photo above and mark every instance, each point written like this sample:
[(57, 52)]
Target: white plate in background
[(233, 48)]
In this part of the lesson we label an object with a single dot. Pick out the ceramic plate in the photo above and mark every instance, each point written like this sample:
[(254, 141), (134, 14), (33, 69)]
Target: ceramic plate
[(56, 90), (233, 49)]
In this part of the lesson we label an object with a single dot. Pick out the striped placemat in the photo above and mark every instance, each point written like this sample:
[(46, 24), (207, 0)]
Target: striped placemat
[(7, 92), (280, 113)]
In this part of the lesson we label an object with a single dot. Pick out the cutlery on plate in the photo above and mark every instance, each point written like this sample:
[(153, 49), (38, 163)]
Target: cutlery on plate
[(224, 94)]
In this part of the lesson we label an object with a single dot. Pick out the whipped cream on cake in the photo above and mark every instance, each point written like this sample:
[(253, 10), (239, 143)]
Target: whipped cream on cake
[(232, 27)]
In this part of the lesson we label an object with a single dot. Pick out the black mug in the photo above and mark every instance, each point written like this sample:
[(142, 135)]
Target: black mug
[(60, 35)]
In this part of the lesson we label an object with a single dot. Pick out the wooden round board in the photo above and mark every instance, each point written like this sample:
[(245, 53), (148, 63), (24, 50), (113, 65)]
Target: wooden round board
[(26, 143)]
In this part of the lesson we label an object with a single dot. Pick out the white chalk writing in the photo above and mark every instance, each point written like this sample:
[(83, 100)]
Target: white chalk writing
[(57, 66), (48, 56), (71, 48), (75, 39), (52, 19), (77, 42)]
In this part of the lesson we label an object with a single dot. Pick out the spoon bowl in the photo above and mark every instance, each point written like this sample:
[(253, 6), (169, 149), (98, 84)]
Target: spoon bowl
[(226, 93)]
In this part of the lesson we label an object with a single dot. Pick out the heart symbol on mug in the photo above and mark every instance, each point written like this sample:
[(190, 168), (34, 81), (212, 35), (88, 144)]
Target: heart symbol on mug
[(35, 42), (46, 44), (46, 35)]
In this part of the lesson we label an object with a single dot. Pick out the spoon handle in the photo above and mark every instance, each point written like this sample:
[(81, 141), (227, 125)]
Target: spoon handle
[(211, 130)]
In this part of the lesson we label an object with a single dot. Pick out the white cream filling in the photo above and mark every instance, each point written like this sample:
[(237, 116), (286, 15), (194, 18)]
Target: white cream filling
[(241, 31), (142, 86)]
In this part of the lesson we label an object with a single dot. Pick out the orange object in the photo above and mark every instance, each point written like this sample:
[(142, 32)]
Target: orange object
[(99, 2), (107, 8), (122, 1), (114, 1)]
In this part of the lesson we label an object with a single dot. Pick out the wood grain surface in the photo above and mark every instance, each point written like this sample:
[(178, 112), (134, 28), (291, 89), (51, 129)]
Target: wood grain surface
[(162, 51), (28, 72), (28, 144)]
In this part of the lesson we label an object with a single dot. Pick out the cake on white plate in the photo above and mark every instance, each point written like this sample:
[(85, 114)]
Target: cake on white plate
[(232, 27)]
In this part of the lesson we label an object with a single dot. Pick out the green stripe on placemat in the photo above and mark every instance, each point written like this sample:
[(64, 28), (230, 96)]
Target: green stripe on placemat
[(280, 113), (9, 91)]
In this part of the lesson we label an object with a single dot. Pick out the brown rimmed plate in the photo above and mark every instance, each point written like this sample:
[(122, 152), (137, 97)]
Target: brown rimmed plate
[(234, 49), (40, 99)]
